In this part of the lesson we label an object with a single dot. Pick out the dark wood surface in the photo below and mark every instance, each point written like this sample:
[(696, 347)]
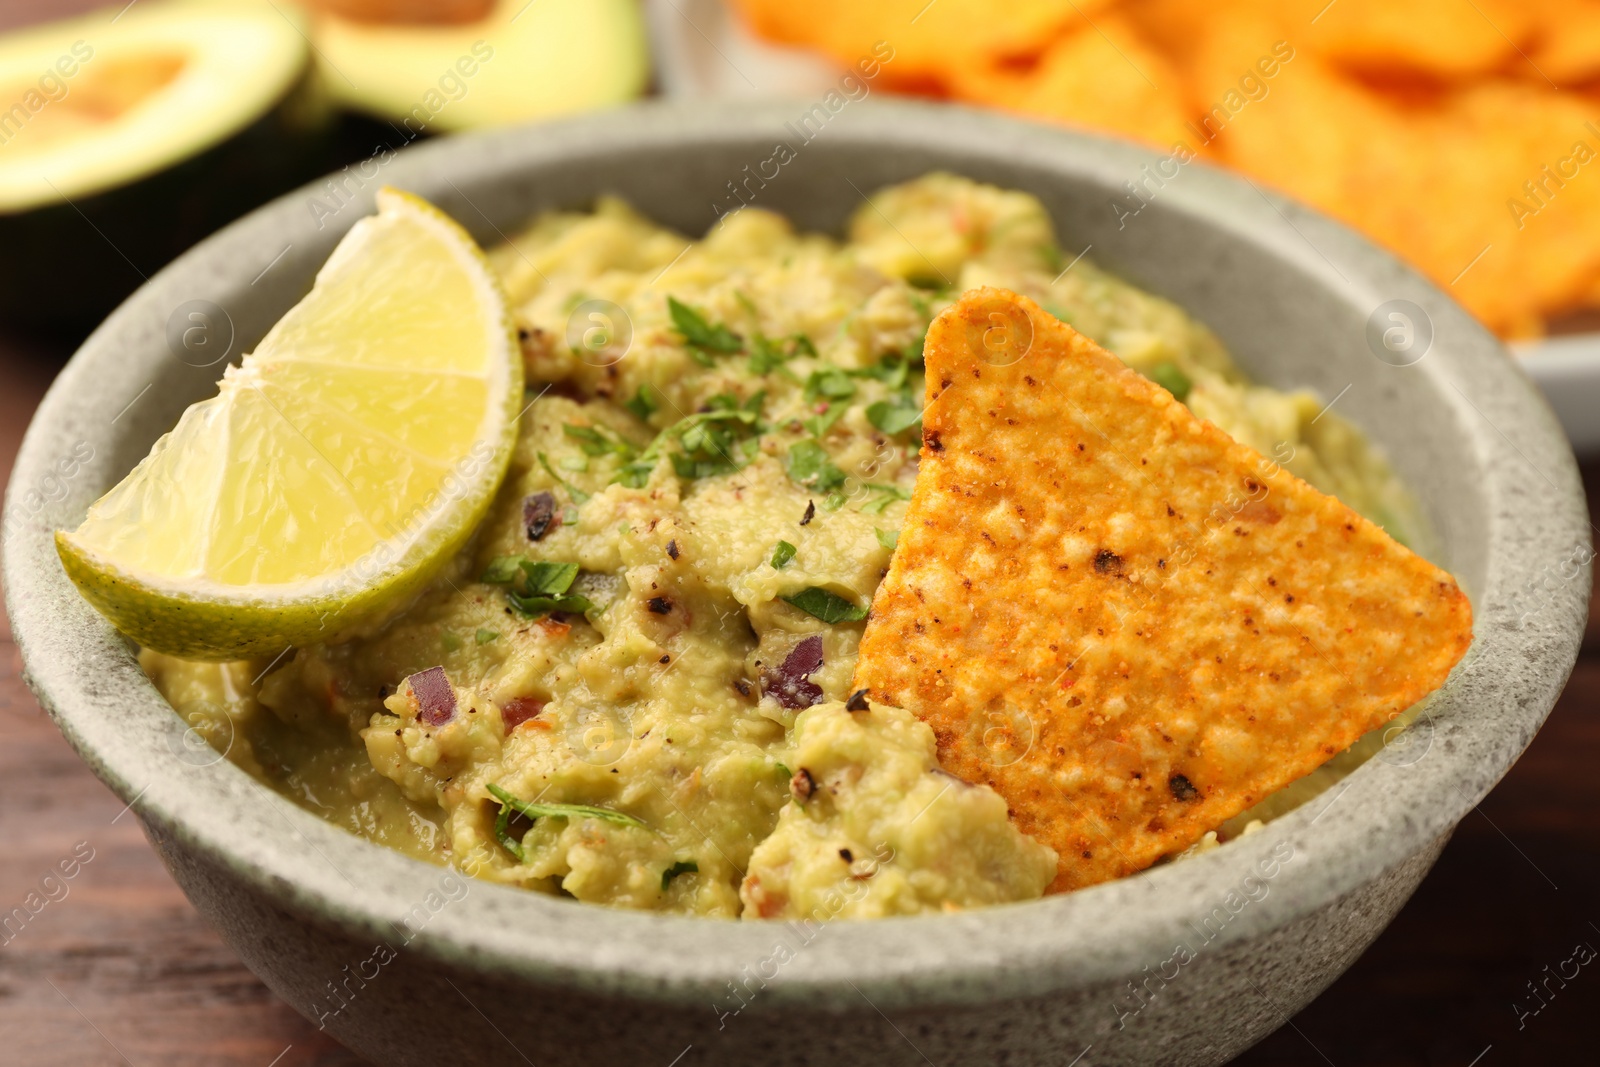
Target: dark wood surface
[(122, 970)]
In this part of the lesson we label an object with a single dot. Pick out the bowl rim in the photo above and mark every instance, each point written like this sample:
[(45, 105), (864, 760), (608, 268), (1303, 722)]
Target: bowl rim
[(1380, 816)]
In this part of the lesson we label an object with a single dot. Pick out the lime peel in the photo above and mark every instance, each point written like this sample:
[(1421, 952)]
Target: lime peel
[(338, 467)]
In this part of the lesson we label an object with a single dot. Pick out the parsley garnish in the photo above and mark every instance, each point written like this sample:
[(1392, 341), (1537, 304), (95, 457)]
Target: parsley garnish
[(809, 464), (1169, 377), (831, 382), (597, 442), (766, 357), (821, 424), (702, 337), (891, 370), (782, 553), (578, 495), (712, 440), (485, 636), (680, 867), (829, 607), (913, 352), (897, 415), (888, 495), (510, 805), (643, 404), (1059, 312), (888, 539), (544, 585)]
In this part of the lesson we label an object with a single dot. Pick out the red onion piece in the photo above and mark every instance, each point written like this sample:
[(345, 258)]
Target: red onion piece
[(436, 701), (518, 710), (538, 515), (790, 684)]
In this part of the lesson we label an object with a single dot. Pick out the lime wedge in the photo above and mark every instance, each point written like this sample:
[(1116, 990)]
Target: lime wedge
[(338, 466)]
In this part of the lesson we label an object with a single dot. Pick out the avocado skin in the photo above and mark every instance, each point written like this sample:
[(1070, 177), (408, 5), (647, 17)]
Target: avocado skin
[(65, 266)]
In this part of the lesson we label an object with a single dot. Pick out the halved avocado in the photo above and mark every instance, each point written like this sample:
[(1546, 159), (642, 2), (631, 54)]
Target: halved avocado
[(126, 137), (524, 60)]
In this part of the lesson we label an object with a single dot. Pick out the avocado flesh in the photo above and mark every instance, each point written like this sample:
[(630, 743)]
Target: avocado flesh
[(522, 62), (123, 143)]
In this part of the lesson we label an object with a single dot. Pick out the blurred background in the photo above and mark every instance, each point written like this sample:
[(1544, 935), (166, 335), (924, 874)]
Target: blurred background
[(1463, 135)]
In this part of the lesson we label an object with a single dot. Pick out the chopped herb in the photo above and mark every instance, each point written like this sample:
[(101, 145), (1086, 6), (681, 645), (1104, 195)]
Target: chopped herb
[(1059, 312), (913, 350), (896, 416), (702, 337), (543, 583), (636, 474), (485, 636), (765, 357), (888, 494), (577, 494), (644, 403), (784, 770), (576, 464), (888, 539), (1169, 377), (502, 570), (891, 370), (829, 607), (450, 641), (596, 442), (510, 805), (709, 438), (809, 464), (782, 553), (680, 867), (831, 382), (821, 424), (1053, 259), (746, 303), (768, 356)]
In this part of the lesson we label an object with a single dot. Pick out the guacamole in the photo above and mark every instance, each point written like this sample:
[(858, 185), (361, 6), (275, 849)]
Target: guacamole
[(632, 687)]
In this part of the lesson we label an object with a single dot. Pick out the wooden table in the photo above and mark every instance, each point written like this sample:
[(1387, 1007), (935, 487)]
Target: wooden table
[(123, 970)]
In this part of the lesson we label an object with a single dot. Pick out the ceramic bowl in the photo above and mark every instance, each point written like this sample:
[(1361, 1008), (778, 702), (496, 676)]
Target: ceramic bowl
[(1186, 963)]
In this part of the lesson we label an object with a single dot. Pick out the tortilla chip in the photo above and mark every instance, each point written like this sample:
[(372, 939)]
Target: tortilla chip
[(1432, 38), (1127, 623), (1568, 47), (923, 40), (1103, 76)]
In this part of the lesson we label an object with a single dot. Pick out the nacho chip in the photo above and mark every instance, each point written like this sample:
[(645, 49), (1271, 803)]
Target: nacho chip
[(924, 40), (1430, 38), (1567, 50), (1103, 76), (1128, 624)]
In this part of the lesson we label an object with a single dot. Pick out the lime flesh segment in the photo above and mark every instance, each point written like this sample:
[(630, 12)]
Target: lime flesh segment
[(336, 469)]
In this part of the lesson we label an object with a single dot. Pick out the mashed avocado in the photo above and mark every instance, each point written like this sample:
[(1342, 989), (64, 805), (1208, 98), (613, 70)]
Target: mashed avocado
[(632, 687)]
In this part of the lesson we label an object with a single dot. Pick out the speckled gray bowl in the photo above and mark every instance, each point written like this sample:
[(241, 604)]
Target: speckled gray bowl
[(435, 971)]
